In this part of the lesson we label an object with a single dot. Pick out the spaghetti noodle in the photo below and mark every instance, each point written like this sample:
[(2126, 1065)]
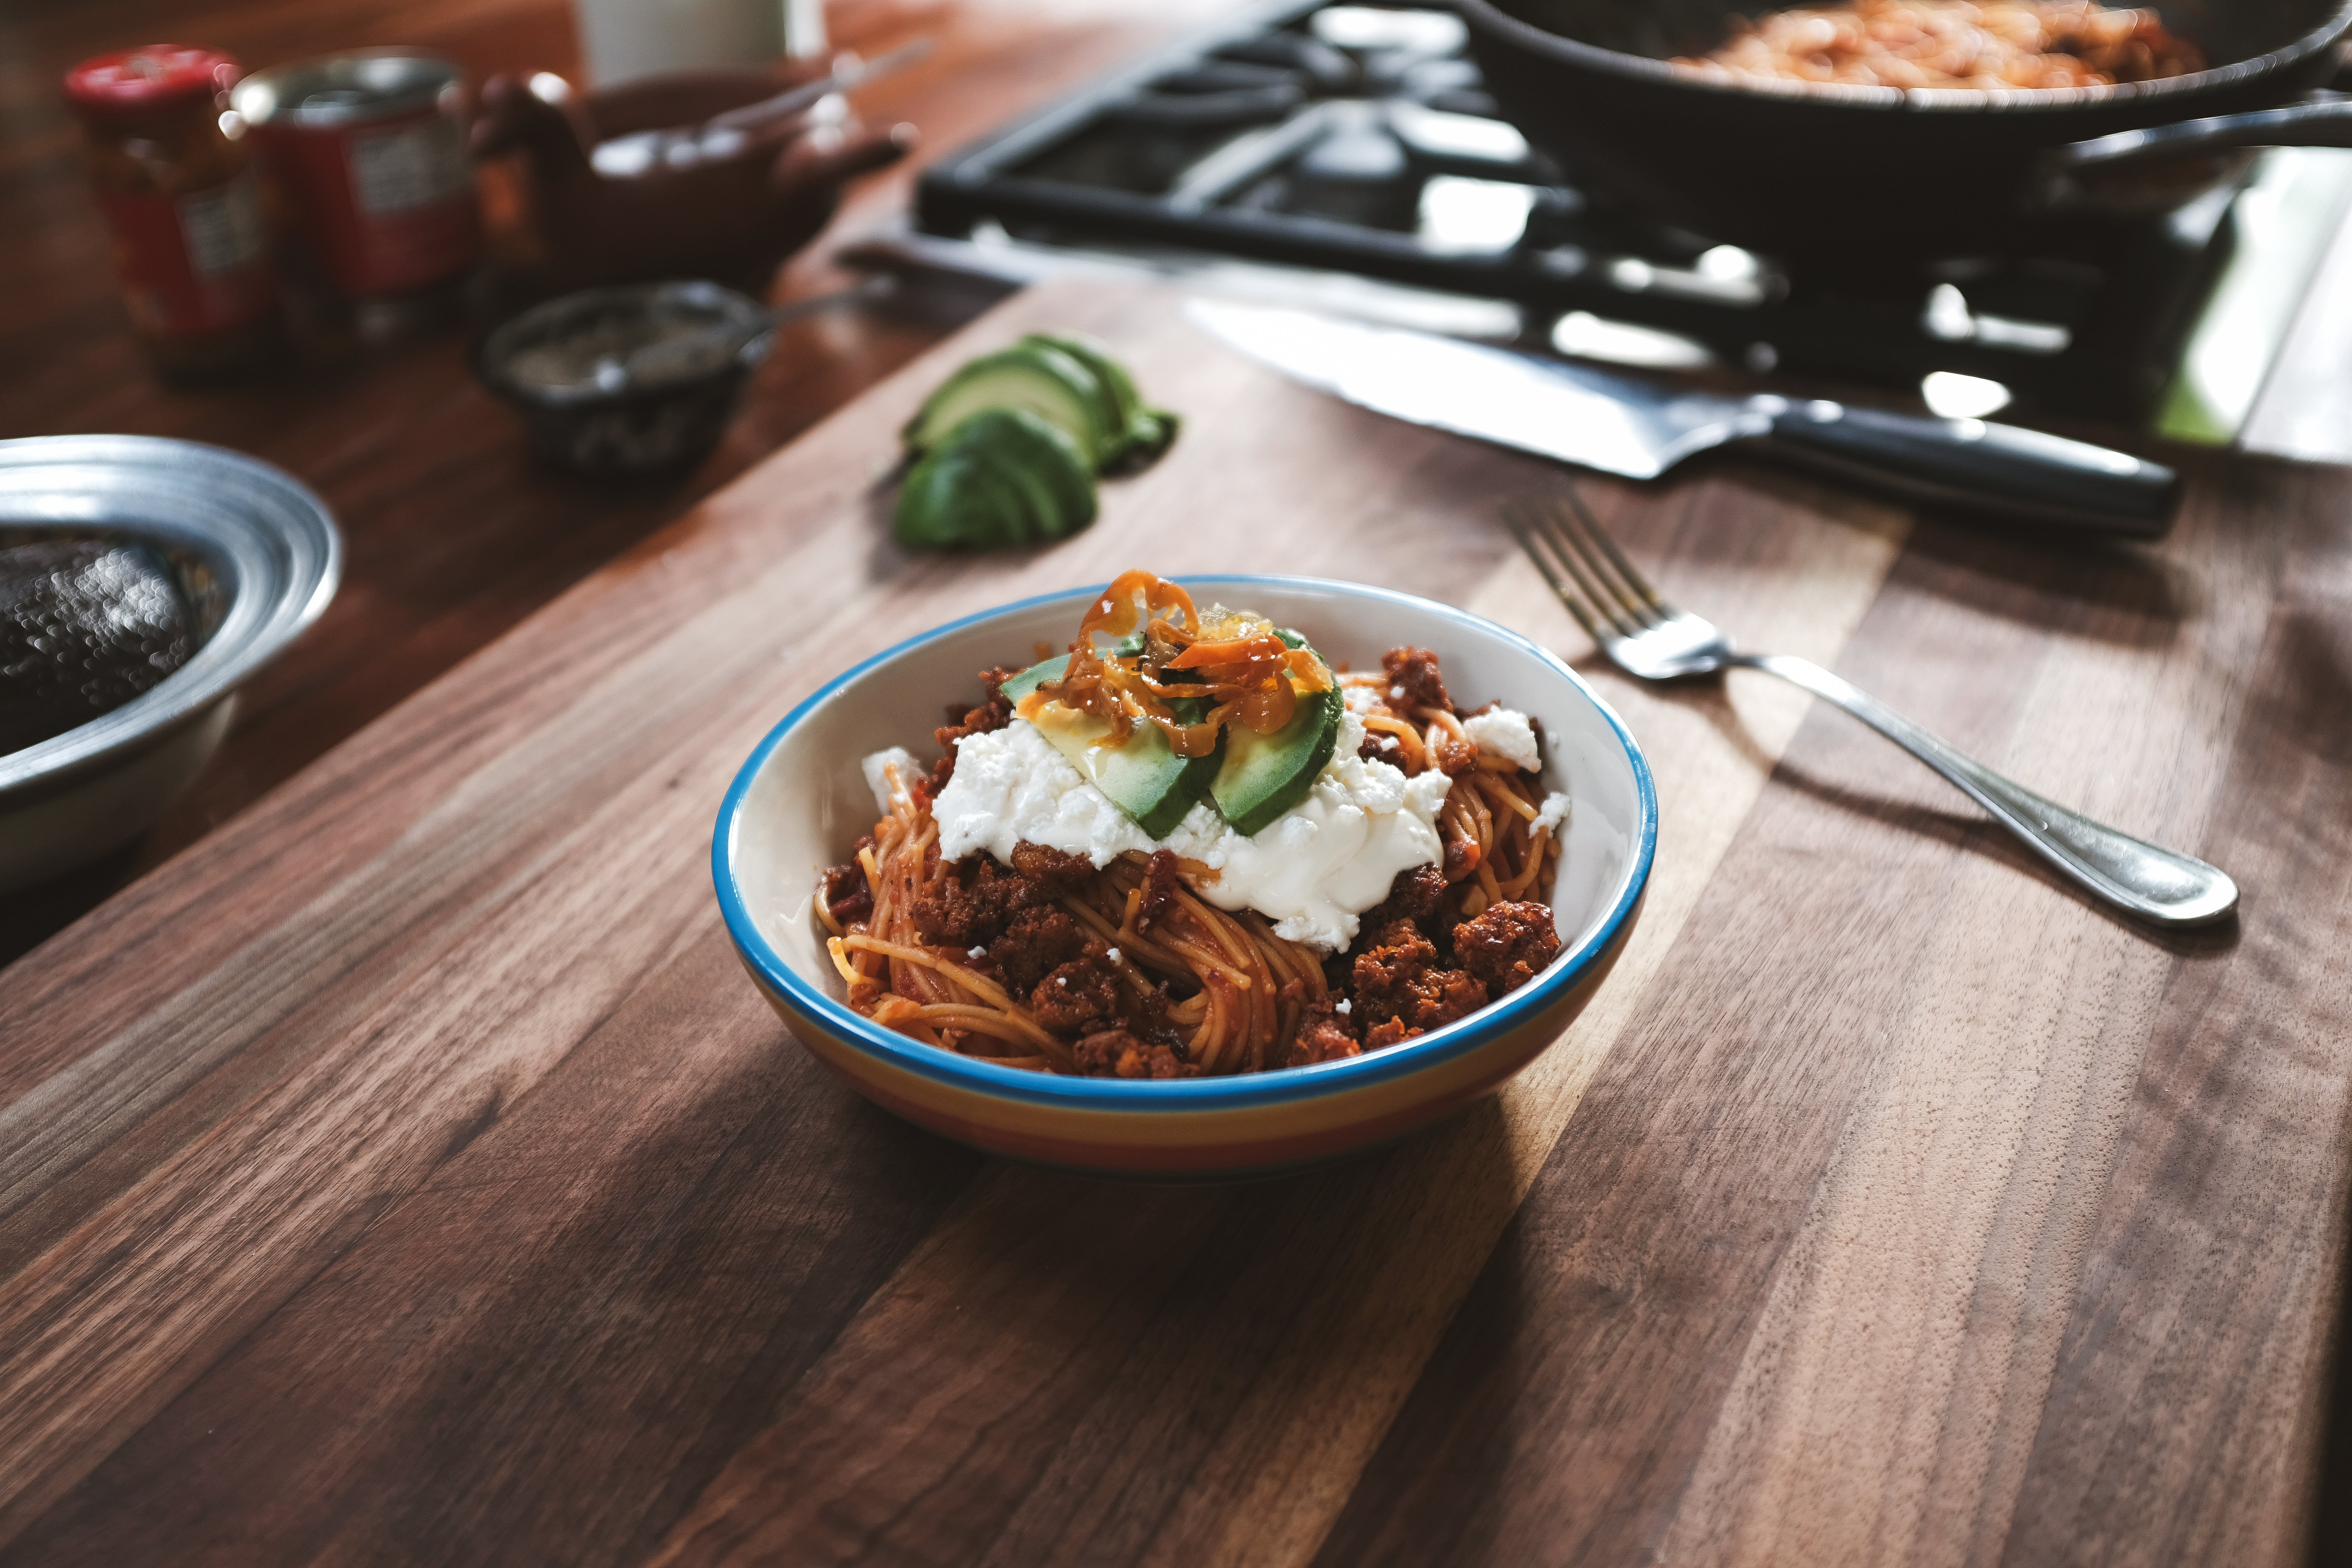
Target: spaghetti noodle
[(1052, 964)]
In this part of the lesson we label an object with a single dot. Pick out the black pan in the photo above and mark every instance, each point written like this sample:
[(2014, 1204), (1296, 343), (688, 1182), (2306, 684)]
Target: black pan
[(1855, 177)]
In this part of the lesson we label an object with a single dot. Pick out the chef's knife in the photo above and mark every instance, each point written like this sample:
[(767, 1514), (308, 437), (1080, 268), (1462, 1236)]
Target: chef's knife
[(1639, 428)]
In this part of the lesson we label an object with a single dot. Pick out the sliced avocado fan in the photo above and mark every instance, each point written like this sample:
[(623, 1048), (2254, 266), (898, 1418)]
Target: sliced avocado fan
[(1004, 476), (1070, 384), (1032, 375), (1262, 776), (1143, 432), (1252, 779)]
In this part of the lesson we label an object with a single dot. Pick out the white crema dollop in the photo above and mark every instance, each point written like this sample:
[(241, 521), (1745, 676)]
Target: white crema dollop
[(1312, 871)]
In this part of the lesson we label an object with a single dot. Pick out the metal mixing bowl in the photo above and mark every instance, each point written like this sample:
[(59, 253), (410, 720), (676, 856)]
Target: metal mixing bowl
[(257, 558)]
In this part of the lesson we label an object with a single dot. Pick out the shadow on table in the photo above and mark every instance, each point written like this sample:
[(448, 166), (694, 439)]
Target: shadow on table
[(1962, 827), (2034, 575), (30, 916)]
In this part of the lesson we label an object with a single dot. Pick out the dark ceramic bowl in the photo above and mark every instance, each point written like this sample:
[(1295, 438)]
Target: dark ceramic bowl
[(538, 361)]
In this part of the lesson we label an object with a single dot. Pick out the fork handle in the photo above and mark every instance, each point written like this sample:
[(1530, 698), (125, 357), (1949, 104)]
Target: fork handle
[(2154, 883)]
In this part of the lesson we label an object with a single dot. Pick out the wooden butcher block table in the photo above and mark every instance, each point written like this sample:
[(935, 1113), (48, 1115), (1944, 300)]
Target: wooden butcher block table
[(407, 1173)]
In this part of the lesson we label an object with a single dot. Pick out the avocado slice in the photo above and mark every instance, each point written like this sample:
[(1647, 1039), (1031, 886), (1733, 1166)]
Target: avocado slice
[(1002, 477), (1262, 776), (1144, 777), (1143, 432), (1035, 376), (1016, 687)]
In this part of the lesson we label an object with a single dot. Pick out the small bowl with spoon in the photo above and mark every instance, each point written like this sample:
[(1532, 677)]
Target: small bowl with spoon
[(642, 379)]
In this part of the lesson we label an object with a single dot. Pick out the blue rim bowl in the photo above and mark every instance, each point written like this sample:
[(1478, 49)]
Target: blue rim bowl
[(799, 800)]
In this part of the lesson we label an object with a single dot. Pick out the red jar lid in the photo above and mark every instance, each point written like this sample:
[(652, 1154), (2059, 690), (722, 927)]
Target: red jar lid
[(154, 76)]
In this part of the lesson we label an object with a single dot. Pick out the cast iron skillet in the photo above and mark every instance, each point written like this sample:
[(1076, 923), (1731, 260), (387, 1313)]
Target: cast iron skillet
[(1856, 177)]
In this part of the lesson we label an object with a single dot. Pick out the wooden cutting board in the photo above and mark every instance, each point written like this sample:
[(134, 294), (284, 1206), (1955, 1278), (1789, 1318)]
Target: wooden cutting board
[(408, 1173)]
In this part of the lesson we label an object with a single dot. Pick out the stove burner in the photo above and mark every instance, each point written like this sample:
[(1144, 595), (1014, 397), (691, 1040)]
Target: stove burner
[(1359, 139)]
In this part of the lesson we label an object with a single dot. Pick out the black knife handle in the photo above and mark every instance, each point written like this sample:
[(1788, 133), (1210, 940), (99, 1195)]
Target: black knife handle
[(1985, 468)]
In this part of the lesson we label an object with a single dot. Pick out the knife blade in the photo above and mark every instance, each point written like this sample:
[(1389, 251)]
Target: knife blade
[(1624, 425)]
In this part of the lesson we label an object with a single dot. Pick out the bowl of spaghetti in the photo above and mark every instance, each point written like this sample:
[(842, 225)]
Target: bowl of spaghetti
[(1363, 857)]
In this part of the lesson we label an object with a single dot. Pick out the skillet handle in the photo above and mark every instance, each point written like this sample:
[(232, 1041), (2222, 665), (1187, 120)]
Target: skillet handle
[(2322, 122), (1982, 467)]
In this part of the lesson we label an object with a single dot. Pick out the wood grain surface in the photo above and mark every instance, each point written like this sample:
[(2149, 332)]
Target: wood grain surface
[(453, 533), (406, 1173)]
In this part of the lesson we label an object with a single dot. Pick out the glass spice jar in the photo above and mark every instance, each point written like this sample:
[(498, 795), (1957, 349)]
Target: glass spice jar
[(175, 177)]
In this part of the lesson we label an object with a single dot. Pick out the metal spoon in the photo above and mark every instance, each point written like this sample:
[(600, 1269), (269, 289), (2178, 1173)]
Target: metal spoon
[(698, 353)]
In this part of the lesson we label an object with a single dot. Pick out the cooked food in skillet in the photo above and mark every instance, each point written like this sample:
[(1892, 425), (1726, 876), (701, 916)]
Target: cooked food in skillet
[(1190, 847), (1999, 44)]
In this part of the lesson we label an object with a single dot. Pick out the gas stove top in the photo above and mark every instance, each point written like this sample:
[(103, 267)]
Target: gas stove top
[(1357, 142)]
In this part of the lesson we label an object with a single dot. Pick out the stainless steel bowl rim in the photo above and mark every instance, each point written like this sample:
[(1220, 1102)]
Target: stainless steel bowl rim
[(1486, 15), (274, 537)]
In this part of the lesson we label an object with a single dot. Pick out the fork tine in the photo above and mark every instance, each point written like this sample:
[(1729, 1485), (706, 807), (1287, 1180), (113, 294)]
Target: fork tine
[(1601, 613), (1622, 611), (1606, 562), (1513, 518), (1634, 581)]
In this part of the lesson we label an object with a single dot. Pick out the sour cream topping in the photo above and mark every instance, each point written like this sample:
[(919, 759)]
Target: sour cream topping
[(1313, 870)]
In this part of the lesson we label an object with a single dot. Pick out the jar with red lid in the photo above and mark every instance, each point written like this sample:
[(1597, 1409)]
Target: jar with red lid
[(174, 178)]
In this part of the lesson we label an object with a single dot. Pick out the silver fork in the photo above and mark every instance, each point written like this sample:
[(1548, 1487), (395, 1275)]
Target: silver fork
[(1647, 638)]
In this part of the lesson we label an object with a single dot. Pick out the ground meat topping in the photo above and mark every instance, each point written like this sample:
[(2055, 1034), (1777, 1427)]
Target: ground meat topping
[(1077, 996), (846, 897), (1462, 856), (1414, 680), (1507, 945), (1038, 942), (1418, 895), (978, 902), (1052, 866), (972, 907), (1160, 884), (994, 714), (1115, 1053), (1324, 1036), (1398, 980)]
